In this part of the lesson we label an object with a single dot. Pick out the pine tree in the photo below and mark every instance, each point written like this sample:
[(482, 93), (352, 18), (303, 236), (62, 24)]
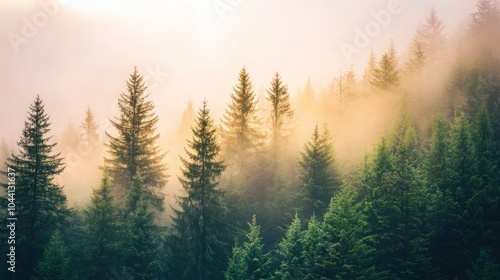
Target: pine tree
[(431, 37), (314, 252), (417, 58), (290, 253), (103, 248), (40, 203), (386, 75), (143, 241), (237, 266), (249, 261), (318, 174), (436, 165), (397, 205), (199, 231), (55, 263), (350, 250), (371, 67), (241, 137), (281, 114), (89, 133), (453, 243), (134, 150), (483, 206)]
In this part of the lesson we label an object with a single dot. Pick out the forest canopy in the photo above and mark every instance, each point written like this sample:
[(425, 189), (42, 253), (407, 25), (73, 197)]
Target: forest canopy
[(392, 172)]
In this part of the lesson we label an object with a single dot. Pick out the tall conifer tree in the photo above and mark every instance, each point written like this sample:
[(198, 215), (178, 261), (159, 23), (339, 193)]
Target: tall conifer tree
[(241, 137), (135, 150), (319, 177), (199, 230), (40, 203)]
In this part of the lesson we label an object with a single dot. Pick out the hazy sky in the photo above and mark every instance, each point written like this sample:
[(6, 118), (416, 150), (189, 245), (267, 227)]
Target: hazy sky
[(79, 53)]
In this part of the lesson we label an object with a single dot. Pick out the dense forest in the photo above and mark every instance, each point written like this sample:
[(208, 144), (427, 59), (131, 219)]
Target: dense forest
[(262, 197)]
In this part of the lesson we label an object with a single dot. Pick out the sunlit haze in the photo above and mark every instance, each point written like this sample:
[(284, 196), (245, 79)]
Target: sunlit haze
[(83, 54)]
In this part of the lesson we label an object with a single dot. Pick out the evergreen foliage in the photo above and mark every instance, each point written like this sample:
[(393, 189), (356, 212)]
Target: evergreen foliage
[(55, 263), (319, 177), (134, 150), (40, 203), (104, 234), (198, 223)]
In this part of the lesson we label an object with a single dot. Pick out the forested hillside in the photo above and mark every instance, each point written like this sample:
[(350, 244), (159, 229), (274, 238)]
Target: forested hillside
[(389, 173)]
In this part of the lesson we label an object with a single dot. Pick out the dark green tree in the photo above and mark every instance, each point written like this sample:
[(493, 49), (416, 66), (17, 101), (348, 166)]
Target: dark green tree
[(290, 253), (198, 224), (249, 261), (453, 244), (436, 157), (104, 234), (319, 177), (397, 207), (134, 150), (237, 266), (55, 262), (40, 203), (314, 252), (143, 239), (349, 247), (484, 267)]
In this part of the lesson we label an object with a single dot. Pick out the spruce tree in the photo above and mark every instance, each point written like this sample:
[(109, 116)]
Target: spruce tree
[(350, 247), (281, 114), (290, 252), (237, 266), (318, 174), (431, 37), (134, 150), (314, 252), (40, 203), (89, 133), (55, 262), (249, 261), (142, 237), (386, 73), (397, 206), (104, 232), (417, 58), (198, 228), (241, 137), (371, 67)]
